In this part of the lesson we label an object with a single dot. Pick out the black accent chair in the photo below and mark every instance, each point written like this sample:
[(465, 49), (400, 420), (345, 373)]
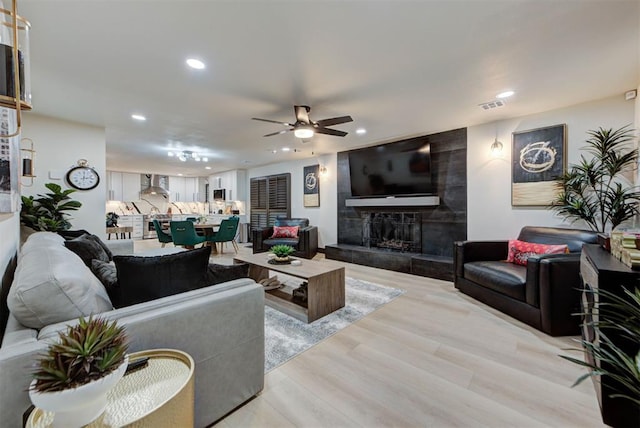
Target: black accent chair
[(544, 294), (306, 243)]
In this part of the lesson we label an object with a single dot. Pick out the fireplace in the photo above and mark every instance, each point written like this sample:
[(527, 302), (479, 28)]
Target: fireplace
[(394, 231)]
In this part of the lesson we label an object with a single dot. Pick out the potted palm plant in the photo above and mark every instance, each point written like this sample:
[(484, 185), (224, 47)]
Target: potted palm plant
[(75, 373), (593, 190), (617, 315)]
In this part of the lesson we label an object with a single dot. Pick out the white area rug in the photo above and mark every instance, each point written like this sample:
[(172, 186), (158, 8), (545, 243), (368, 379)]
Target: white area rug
[(285, 337)]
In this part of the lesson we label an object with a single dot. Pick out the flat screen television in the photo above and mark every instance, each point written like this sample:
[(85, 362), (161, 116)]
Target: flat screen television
[(402, 168)]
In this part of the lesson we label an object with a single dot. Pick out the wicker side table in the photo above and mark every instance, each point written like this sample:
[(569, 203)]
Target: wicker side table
[(159, 395)]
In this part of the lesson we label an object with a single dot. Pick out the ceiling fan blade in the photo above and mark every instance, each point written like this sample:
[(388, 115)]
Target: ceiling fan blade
[(278, 133), (302, 113), (330, 131), (272, 121), (334, 121)]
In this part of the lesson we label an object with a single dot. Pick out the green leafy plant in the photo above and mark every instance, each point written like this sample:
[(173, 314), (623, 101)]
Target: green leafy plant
[(591, 190), (618, 314), (85, 352), (48, 212), (282, 251)]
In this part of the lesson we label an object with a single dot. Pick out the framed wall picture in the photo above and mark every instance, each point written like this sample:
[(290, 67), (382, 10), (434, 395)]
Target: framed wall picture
[(311, 186), (538, 160)]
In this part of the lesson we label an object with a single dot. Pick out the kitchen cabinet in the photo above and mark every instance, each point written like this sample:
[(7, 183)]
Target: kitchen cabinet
[(131, 186), (235, 183), (123, 186), (176, 189), (114, 186), (134, 221), (191, 189), (185, 189)]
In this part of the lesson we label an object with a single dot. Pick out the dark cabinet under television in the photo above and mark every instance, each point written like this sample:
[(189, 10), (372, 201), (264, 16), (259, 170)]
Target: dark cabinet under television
[(600, 270)]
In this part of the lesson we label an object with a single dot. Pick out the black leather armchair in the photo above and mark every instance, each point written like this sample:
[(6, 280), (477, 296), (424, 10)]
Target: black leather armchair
[(306, 244), (543, 294)]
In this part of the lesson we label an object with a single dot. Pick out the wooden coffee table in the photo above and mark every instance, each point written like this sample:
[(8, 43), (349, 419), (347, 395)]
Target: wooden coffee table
[(325, 289)]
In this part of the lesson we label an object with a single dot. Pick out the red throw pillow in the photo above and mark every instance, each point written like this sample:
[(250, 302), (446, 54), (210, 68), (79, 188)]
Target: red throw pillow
[(285, 232), (520, 251)]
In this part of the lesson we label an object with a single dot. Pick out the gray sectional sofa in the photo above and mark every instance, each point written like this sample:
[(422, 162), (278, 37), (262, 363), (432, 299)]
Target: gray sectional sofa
[(220, 326)]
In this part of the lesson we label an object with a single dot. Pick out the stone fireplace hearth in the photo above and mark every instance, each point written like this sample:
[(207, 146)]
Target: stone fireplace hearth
[(394, 231)]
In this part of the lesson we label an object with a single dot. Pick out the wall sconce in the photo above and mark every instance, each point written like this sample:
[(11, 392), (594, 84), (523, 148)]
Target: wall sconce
[(16, 74), (28, 155), (496, 148), (323, 171)]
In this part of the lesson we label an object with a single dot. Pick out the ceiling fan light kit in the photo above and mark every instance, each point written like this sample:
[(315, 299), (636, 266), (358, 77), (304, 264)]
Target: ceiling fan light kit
[(303, 132), (305, 128)]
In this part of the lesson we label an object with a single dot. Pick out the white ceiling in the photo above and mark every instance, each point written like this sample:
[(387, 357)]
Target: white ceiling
[(399, 68)]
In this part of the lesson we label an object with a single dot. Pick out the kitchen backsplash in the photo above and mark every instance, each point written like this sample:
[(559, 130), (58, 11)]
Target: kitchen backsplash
[(151, 204)]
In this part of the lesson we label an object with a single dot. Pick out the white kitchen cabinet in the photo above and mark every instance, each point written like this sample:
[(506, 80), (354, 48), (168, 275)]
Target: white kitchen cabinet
[(191, 189), (234, 182), (177, 189), (131, 186), (135, 222), (123, 186), (114, 186)]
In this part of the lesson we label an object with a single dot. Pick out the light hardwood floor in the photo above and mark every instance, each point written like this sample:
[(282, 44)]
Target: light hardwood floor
[(433, 357)]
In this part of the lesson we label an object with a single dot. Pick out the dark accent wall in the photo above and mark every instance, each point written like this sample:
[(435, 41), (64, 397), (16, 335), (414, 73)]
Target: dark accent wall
[(441, 225)]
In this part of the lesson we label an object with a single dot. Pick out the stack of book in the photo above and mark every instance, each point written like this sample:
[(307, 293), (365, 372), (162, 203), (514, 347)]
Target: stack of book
[(624, 247)]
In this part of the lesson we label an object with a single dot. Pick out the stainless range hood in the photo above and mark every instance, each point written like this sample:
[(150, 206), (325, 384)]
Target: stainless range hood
[(153, 184)]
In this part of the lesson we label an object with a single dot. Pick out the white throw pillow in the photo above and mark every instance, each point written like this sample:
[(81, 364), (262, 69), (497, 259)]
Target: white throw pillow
[(51, 285)]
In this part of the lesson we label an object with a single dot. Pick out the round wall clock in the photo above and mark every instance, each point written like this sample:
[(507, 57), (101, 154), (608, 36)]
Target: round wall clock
[(82, 176)]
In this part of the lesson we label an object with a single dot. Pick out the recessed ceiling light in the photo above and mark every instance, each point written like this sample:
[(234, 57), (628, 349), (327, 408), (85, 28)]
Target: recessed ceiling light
[(195, 63), (274, 151), (285, 149), (207, 167), (180, 175), (138, 117), (505, 94), (361, 131)]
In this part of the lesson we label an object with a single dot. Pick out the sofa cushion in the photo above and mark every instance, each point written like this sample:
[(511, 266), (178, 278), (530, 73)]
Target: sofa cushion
[(300, 222), (281, 241), (501, 276), (520, 251), (574, 238), (141, 279), (87, 247), (42, 239), (107, 274), (221, 273), (51, 285), (71, 234)]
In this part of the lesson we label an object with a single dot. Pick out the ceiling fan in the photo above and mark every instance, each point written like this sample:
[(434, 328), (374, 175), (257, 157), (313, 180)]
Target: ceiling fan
[(304, 127)]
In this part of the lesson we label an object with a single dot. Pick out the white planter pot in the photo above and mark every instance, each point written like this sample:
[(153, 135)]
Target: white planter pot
[(79, 406)]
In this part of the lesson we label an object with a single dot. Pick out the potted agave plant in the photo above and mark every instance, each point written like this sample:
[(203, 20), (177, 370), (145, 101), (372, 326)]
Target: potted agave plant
[(75, 374), (282, 252)]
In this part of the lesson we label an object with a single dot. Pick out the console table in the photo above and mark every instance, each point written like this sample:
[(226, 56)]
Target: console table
[(159, 395), (600, 270)]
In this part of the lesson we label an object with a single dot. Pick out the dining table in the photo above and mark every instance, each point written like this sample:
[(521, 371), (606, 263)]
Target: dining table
[(208, 229)]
